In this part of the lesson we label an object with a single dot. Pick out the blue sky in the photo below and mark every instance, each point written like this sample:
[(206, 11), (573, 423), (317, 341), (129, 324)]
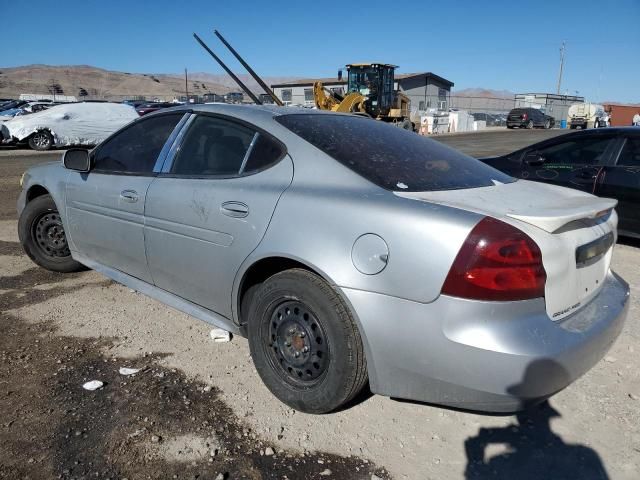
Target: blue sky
[(493, 44)]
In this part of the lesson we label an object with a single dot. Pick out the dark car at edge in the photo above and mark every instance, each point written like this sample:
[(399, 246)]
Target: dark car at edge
[(603, 162)]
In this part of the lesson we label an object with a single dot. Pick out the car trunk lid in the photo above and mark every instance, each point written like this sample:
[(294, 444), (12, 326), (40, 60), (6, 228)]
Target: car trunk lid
[(574, 230)]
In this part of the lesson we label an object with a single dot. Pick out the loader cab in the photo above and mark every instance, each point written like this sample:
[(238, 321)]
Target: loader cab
[(375, 81)]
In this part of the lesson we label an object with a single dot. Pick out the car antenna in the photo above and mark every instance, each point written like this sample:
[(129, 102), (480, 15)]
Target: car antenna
[(255, 76), (226, 69)]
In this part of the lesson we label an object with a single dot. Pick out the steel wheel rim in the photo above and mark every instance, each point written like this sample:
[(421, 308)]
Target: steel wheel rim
[(48, 234), (296, 344), (41, 139)]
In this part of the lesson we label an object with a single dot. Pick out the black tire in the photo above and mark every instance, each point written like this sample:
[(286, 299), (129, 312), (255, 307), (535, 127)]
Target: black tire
[(305, 343), (407, 125), (530, 124), (42, 236), (547, 124), (596, 124), (41, 140)]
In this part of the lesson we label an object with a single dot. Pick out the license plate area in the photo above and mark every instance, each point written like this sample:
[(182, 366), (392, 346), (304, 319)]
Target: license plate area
[(591, 252)]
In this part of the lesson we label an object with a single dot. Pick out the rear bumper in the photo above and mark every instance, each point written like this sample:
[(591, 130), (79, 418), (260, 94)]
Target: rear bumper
[(511, 123), (485, 356)]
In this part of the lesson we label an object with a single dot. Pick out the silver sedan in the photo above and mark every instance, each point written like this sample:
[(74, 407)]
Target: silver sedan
[(347, 251)]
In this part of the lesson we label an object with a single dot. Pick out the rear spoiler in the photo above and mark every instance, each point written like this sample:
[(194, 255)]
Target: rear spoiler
[(551, 219)]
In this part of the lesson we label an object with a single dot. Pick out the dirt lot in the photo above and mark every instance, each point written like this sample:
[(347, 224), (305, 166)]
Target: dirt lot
[(197, 409)]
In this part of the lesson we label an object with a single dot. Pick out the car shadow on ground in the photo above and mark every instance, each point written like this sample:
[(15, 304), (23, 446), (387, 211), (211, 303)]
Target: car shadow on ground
[(529, 449), (629, 242)]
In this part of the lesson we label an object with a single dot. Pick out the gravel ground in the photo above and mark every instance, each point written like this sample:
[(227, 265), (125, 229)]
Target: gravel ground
[(194, 396)]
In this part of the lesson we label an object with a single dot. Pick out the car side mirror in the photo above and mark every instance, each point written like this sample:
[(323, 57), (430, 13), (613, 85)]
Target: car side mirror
[(77, 159), (534, 159)]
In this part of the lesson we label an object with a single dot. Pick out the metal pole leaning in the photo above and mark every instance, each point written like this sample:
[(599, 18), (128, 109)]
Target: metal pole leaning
[(226, 69)]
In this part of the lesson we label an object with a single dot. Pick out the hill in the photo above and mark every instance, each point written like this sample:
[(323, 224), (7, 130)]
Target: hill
[(97, 83)]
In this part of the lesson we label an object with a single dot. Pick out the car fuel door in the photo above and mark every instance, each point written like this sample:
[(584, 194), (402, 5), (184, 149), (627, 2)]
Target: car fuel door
[(211, 207)]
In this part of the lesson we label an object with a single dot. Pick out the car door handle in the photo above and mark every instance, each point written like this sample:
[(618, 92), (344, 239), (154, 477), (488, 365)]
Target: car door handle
[(130, 196), (234, 209)]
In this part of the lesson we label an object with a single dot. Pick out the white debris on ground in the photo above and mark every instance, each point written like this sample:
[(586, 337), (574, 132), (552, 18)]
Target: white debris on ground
[(93, 385), (219, 335), (128, 371)]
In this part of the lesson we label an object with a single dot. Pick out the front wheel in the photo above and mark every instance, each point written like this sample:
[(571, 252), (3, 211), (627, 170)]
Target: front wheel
[(41, 140), (305, 343), (547, 124), (43, 238)]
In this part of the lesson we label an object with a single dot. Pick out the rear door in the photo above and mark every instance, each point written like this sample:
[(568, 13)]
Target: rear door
[(211, 207), (622, 182), (105, 207), (575, 163)]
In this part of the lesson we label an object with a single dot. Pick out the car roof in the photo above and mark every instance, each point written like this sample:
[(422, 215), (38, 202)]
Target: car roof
[(246, 111)]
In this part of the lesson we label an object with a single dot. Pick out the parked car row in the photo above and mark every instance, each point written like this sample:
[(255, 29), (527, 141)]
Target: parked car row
[(349, 251)]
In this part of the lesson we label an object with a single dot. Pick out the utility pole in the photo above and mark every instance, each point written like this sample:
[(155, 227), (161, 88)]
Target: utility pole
[(561, 68), (186, 86)]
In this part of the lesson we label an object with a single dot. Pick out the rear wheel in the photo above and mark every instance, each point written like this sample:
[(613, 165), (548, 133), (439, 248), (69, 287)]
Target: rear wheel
[(41, 140), (407, 125), (305, 343), (42, 236), (530, 124), (596, 124)]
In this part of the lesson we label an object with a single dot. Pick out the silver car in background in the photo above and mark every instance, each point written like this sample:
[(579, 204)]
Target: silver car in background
[(345, 249)]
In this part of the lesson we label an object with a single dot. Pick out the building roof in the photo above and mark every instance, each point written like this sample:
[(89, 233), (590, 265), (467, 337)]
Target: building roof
[(553, 96), (308, 82)]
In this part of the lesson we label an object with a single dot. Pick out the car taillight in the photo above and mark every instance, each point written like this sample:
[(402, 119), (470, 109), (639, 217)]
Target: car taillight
[(496, 262), (524, 116)]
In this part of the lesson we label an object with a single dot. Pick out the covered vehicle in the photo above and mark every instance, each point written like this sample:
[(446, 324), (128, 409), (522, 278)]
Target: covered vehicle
[(345, 249), (67, 124), (605, 162)]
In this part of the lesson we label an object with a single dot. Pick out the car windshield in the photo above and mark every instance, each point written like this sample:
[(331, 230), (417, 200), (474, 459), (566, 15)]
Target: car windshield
[(391, 157)]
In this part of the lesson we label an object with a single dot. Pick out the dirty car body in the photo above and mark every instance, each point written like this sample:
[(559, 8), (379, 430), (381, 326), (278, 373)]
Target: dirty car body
[(469, 288)]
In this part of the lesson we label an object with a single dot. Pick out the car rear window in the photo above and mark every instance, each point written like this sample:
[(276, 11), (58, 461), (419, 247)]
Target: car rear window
[(390, 157)]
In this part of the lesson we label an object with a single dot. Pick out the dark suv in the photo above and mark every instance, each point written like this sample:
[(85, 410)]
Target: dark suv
[(529, 118)]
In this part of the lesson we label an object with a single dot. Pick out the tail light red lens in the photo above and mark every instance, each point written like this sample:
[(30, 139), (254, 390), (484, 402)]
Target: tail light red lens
[(524, 116), (496, 262)]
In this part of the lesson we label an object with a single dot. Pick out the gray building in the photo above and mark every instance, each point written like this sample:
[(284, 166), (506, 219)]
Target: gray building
[(425, 90), (555, 105)]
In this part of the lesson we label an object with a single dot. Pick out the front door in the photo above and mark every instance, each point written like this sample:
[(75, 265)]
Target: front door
[(622, 182), (212, 207), (105, 207), (575, 163)]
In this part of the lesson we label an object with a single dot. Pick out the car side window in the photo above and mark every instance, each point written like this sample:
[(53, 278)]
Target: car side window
[(576, 152), (265, 152), (217, 146), (630, 155), (136, 149)]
